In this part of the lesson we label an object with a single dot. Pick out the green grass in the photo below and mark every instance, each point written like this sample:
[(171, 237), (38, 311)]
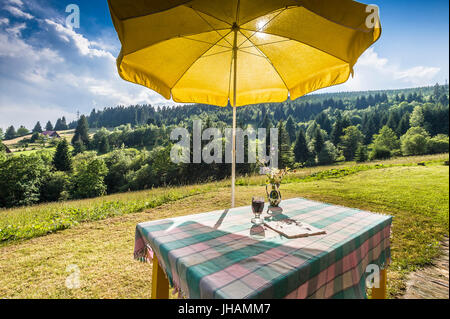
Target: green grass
[(34, 221), (416, 196)]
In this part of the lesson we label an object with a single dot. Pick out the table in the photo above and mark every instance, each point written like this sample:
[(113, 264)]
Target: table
[(221, 254)]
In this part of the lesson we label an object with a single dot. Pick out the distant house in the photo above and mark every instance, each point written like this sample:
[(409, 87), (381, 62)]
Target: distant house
[(6, 148), (51, 134)]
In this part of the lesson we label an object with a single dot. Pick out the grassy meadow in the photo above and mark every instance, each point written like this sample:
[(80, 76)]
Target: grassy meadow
[(97, 234)]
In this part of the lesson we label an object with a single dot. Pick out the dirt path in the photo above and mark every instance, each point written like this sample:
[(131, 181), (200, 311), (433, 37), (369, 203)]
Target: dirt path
[(430, 282)]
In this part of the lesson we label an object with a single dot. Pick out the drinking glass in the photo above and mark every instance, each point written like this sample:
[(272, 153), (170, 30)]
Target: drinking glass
[(257, 207)]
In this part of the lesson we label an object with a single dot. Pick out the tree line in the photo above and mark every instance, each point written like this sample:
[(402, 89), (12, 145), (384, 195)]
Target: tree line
[(137, 156)]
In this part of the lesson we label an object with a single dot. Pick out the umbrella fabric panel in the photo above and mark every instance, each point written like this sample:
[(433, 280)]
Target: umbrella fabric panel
[(184, 49)]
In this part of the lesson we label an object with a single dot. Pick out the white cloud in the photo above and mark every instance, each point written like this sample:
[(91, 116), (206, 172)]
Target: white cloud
[(417, 73), (4, 21), (60, 74), (17, 29), (18, 13), (84, 45), (11, 46), (373, 72), (16, 2)]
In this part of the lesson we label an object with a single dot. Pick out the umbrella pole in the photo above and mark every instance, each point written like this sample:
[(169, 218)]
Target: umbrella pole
[(233, 155), (233, 165)]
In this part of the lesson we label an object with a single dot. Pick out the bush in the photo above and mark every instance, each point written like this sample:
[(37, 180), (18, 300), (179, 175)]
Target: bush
[(379, 152), (328, 154), (120, 165), (21, 178), (54, 187), (88, 178), (438, 144), (386, 139), (361, 154), (415, 141)]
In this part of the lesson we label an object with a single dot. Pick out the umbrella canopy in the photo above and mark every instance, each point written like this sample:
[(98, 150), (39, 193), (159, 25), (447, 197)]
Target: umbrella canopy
[(240, 51)]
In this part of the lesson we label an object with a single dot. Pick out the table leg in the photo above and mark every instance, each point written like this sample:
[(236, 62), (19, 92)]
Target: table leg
[(380, 293), (160, 284)]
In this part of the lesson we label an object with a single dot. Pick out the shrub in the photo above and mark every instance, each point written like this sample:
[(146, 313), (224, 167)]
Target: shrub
[(386, 139), (120, 168), (438, 144), (415, 141), (328, 154), (361, 154), (88, 178), (54, 187), (20, 179), (379, 152)]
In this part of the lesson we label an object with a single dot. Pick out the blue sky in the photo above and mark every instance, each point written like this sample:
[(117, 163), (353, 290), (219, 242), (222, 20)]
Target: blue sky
[(48, 70)]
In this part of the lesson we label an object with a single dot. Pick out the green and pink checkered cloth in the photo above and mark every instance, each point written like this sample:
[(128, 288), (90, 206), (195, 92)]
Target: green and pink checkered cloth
[(221, 254)]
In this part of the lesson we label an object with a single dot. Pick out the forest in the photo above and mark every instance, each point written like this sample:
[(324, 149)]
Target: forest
[(130, 149)]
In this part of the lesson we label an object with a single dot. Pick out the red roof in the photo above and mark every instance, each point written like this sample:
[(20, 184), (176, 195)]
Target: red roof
[(50, 133)]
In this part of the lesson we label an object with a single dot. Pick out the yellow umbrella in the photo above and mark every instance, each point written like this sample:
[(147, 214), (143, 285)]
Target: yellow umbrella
[(240, 51)]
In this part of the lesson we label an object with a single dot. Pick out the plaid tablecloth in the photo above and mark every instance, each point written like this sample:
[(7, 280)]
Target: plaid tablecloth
[(221, 254)]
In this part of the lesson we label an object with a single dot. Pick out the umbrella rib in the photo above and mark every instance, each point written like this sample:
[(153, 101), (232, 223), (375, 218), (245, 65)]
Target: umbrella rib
[(211, 16), (268, 60), (190, 66), (262, 44), (209, 24), (314, 47), (177, 37), (261, 56), (212, 54), (213, 44), (255, 32)]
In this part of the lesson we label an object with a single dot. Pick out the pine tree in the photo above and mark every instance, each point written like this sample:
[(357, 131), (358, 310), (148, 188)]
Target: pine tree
[(10, 133), (78, 147), (301, 150), (291, 129), (62, 159), (350, 141), (285, 155), (267, 124), (318, 141), (361, 154), (103, 146), (61, 124), (37, 128), (393, 120), (58, 125), (403, 125), (49, 126), (64, 124), (337, 130), (81, 132)]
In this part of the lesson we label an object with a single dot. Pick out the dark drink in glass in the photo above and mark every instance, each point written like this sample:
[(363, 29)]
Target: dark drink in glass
[(257, 207)]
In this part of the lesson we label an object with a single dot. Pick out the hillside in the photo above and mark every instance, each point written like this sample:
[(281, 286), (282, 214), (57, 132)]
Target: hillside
[(417, 197)]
